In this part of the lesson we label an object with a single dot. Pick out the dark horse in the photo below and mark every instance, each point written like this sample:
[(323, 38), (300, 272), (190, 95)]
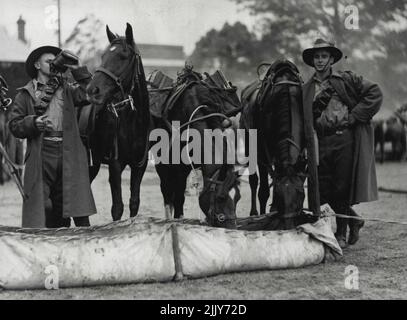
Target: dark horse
[(273, 106), (120, 136), (391, 130), (198, 105)]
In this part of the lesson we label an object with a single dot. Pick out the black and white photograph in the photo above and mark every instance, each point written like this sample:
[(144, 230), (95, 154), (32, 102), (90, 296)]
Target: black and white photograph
[(203, 153)]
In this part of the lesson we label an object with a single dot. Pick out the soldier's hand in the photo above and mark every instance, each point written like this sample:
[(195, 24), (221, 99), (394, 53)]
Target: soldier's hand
[(40, 123), (351, 120)]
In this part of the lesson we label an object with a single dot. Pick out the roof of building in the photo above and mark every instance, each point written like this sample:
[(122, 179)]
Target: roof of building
[(12, 50), (157, 55), (159, 51)]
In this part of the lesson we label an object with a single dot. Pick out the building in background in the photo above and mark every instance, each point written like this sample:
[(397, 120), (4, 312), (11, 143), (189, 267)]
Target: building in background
[(88, 40), (169, 59), (13, 53)]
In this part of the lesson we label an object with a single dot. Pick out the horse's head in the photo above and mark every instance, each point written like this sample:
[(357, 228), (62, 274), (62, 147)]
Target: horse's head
[(120, 63), (219, 197), (199, 110)]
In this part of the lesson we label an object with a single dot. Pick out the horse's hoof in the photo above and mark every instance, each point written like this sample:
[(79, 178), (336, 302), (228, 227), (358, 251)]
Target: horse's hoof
[(254, 213), (117, 212)]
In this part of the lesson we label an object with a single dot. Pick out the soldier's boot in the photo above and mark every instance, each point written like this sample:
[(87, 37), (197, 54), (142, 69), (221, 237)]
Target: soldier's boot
[(354, 227), (341, 228)]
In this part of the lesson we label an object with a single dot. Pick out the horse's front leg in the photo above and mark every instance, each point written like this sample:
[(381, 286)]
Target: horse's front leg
[(137, 174), (264, 190), (253, 182), (165, 171), (115, 180), (179, 191)]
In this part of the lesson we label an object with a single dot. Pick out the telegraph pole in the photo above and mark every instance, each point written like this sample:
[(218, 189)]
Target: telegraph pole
[(59, 24)]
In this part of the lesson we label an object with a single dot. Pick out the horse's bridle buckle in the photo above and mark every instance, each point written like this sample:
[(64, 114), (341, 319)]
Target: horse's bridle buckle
[(131, 103), (112, 109), (221, 217)]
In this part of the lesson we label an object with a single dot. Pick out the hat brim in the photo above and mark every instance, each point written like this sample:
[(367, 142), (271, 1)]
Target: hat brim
[(35, 55), (308, 54)]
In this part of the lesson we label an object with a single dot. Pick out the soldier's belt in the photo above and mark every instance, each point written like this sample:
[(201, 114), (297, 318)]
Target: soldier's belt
[(53, 134), (326, 132)]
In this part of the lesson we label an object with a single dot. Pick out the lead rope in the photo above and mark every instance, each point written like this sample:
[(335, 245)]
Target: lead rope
[(195, 178), (331, 213)]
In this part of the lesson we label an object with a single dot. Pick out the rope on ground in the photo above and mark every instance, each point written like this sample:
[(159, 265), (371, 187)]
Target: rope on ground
[(389, 190), (404, 223)]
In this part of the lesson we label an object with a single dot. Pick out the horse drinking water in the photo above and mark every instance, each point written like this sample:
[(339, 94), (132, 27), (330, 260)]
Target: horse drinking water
[(199, 105), (273, 106)]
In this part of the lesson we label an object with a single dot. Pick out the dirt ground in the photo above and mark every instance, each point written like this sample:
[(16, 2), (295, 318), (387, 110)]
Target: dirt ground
[(380, 255)]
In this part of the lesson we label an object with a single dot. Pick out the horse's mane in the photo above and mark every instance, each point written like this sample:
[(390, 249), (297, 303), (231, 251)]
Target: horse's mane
[(277, 96), (187, 74)]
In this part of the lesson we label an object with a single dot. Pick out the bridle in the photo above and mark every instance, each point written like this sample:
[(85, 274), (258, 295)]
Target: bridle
[(213, 214), (127, 99), (132, 70)]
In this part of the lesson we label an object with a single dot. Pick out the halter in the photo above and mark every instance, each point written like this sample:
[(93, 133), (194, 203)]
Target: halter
[(213, 214), (118, 80), (126, 99), (213, 182)]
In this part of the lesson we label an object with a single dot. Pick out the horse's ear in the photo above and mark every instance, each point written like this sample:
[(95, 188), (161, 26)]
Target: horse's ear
[(110, 34), (129, 34)]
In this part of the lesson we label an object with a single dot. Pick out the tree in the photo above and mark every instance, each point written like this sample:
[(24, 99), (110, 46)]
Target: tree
[(360, 28), (88, 40), (231, 49), (299, 18)]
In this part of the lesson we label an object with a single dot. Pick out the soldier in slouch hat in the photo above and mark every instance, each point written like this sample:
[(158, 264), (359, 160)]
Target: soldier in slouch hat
[(56, 162), (343, 104)]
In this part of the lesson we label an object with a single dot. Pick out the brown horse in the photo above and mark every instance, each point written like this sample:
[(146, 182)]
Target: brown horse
[(120, 136)]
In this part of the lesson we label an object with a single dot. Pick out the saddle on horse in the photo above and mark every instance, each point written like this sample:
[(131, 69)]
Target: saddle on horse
[(164, 92), (253, 95), (160, 88)]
